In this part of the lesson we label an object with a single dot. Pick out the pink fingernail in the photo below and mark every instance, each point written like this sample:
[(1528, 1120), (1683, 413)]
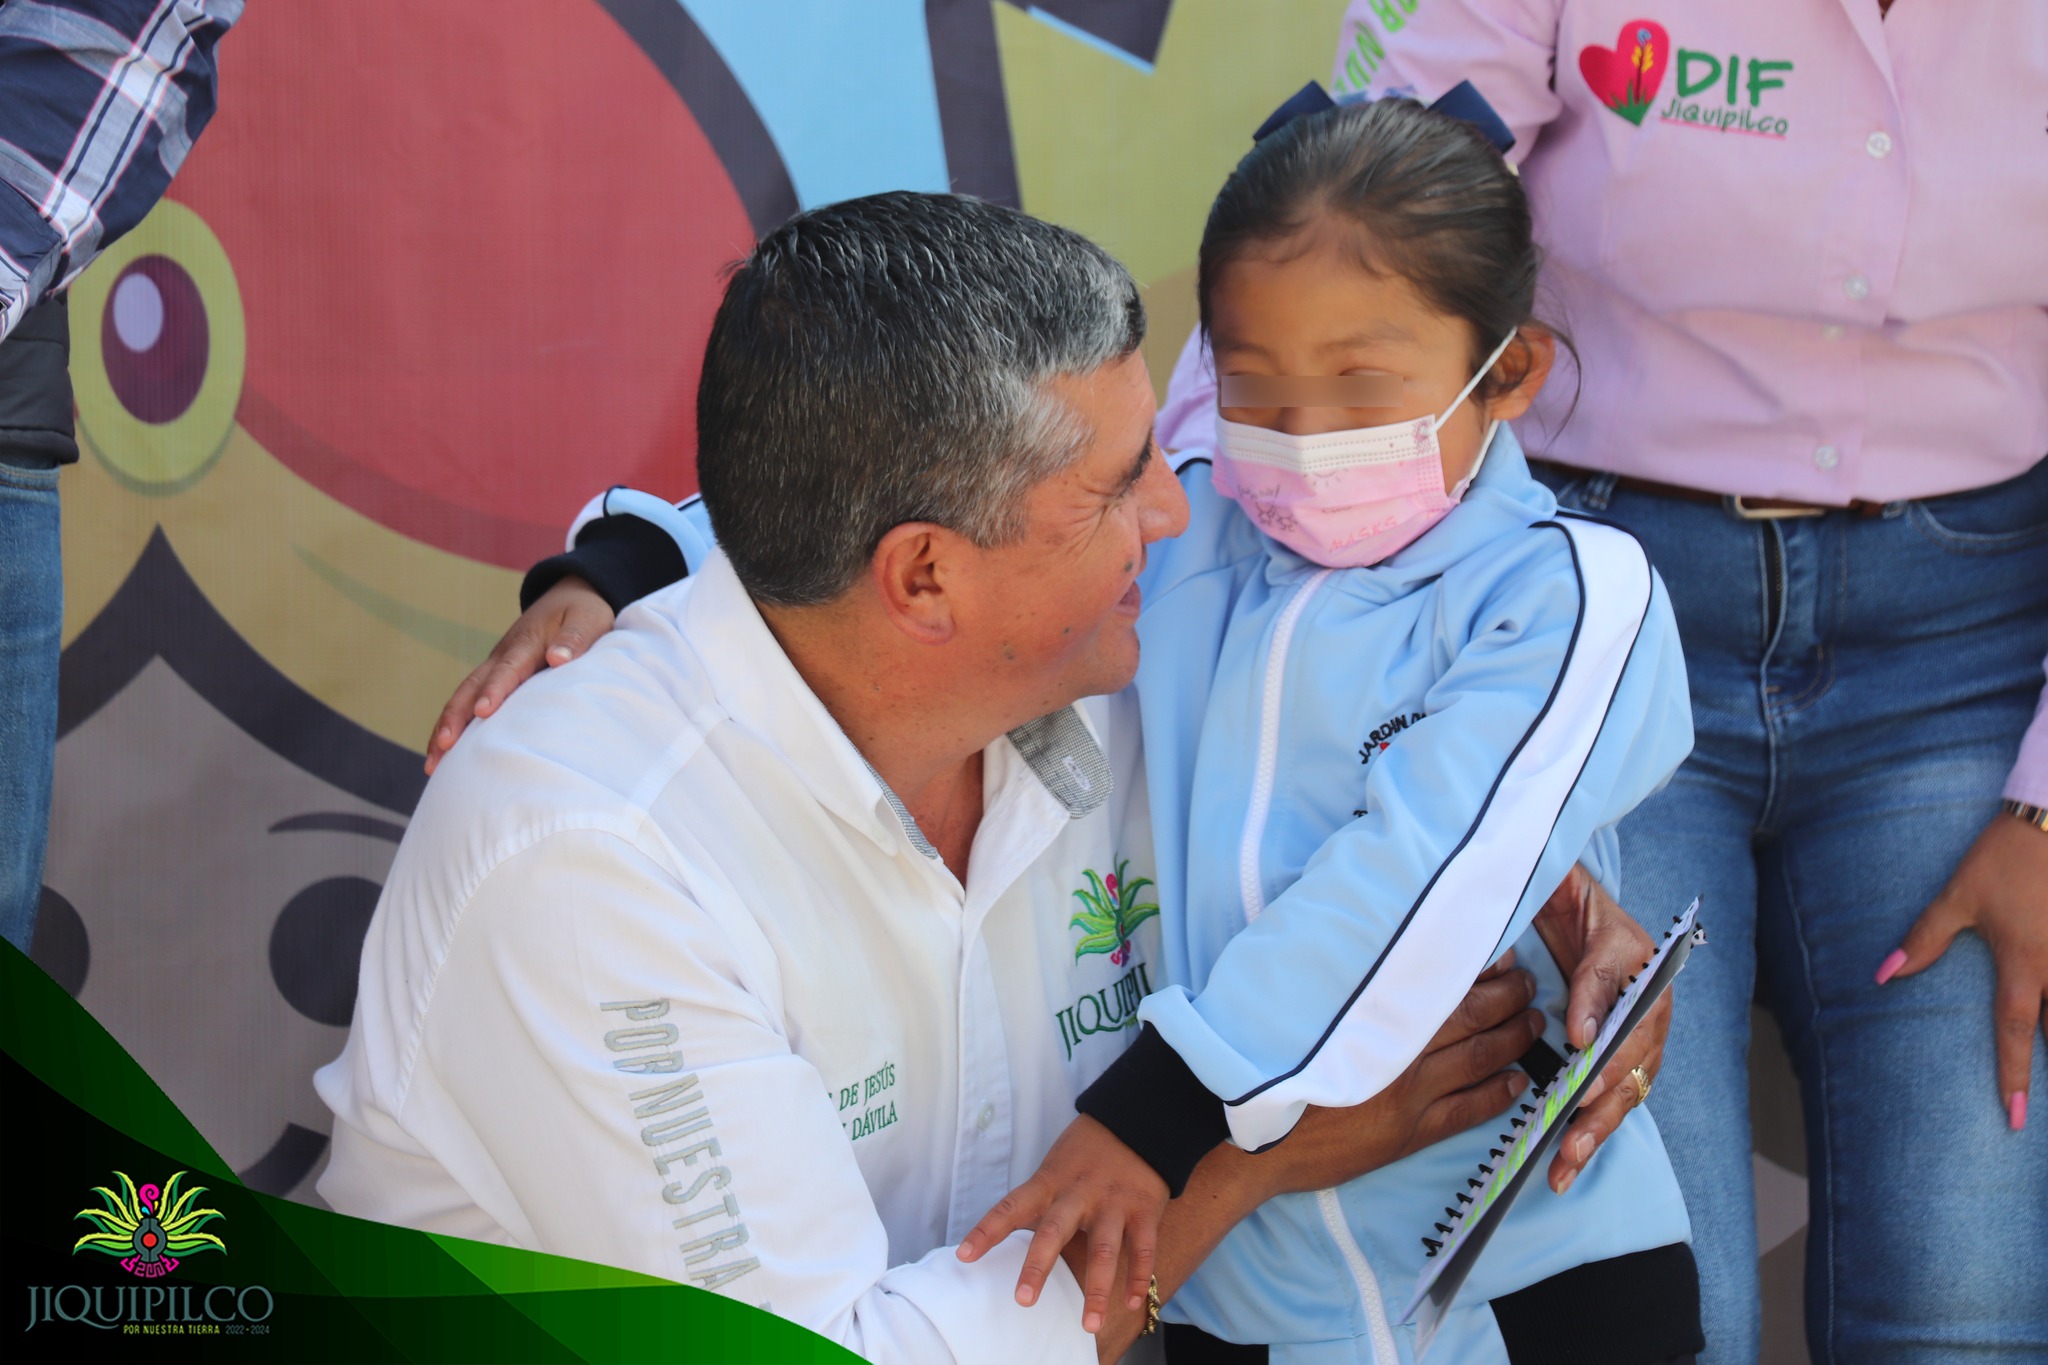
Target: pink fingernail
[(1566, 1183), (2016, 1110), (559, 654), (1891, 966)]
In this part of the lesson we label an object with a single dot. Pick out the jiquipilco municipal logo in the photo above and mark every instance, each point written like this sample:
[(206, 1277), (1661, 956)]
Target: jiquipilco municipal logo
[(150, 1230)]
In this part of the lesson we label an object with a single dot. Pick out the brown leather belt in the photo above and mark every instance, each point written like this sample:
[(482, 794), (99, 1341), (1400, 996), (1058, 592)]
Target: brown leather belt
[(1749, 509)]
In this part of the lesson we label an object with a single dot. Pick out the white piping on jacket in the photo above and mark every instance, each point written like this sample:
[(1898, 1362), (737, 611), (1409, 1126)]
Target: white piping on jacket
[(1251, 891)]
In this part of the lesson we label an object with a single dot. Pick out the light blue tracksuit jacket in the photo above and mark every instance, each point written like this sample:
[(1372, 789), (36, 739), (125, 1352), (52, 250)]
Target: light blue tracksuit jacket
[(1364, 784)]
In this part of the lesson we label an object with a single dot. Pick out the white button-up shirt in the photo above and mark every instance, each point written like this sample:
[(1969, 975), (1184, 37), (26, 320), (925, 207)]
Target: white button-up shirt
[(665, 977)]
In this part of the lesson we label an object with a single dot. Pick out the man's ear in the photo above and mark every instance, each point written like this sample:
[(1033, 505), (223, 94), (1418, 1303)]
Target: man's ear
[(911, 570), (1531, 354)]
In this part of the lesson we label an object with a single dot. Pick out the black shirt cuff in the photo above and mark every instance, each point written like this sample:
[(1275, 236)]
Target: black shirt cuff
[(623, 557), (36, 423), (1154, 1104)]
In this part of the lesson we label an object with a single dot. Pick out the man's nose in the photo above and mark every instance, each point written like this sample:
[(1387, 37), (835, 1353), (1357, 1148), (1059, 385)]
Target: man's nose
[(1163, 506)]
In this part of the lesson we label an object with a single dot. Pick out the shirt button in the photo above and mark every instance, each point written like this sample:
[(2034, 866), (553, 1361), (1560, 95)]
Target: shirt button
[(1878, 144), (985, 1117), (1856, 287), (1826, 457), (1831, 332)]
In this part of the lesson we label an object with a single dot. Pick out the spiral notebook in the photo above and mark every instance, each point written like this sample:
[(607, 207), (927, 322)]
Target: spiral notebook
[(1536, 1126)]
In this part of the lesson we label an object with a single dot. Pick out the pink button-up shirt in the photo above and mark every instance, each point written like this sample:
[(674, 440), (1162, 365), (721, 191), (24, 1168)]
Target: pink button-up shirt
[(1802, 249)]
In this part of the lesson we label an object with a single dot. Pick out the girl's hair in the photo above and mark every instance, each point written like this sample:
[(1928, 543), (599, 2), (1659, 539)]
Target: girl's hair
[(1431, 200)]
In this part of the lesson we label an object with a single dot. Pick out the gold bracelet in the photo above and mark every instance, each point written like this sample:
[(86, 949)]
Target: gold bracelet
[(2033, 815), (1151, 1308)]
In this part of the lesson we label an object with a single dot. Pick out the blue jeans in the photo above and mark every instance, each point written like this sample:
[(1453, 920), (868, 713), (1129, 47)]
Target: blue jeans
[(31, 630), (1859, 690)]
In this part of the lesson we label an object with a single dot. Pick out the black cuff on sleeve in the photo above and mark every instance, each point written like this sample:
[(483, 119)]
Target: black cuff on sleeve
[(36, 423), (623, 557), (1151, 1100)]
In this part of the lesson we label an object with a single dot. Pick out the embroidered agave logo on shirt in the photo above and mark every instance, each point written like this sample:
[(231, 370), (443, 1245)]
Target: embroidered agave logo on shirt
[(149, 1228), (1110, 912)]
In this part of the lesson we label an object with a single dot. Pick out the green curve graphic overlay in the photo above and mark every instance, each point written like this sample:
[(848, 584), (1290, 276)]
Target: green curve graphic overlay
[(295, 1283)]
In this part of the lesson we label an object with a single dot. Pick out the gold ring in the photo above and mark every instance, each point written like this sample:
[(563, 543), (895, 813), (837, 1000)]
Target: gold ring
[(1642, 1080)]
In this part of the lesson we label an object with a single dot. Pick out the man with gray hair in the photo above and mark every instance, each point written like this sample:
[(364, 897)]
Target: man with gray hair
[(747, 953)]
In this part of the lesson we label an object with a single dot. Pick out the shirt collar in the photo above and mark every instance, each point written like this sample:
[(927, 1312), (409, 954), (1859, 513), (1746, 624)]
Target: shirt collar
[(758, 687)]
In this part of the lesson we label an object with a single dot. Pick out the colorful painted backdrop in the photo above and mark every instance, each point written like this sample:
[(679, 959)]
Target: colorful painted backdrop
[(435, 274)]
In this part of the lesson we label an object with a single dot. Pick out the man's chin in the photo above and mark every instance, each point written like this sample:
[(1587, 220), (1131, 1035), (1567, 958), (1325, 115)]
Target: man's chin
[(1117, 666)]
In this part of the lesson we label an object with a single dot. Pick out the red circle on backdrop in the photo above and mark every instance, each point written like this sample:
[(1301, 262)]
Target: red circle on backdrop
[(153, 339), (478, 260)]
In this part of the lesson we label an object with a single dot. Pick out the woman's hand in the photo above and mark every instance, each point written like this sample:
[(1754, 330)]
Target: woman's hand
[(1599, 946), (2001, 890), (563, 622)]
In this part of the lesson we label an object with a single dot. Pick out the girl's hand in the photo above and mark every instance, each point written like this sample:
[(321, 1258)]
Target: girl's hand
[(566, 620), (1599, 946), (2001, 890), (1092, 1193), (1089, 1185)]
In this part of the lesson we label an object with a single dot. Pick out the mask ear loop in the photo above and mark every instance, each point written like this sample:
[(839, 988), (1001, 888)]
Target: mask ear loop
[(1458, 402), (1485, 368), (1458, 493)]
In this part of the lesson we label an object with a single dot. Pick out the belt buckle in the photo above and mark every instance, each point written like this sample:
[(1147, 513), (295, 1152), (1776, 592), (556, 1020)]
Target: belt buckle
[(1748, 513)]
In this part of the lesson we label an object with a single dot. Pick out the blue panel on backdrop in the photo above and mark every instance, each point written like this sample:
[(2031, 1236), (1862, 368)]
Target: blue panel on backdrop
[(845, 90)]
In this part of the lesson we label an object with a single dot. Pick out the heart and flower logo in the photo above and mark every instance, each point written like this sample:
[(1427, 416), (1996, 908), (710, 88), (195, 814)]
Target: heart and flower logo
[(1625, 77)]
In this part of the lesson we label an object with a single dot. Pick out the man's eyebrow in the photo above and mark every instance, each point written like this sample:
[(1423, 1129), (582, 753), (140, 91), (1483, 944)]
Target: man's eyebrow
[(1142, 463)]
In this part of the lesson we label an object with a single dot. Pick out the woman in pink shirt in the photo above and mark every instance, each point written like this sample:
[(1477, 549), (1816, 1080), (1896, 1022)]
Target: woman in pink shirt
[(1802, 246)]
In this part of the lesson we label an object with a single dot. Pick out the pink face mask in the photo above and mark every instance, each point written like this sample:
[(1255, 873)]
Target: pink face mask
[(1345, 499)]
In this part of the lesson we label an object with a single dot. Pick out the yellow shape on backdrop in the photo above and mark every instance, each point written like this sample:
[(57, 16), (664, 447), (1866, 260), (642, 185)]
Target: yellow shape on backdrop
[(376, 626), (159, 456), (1133, 159)]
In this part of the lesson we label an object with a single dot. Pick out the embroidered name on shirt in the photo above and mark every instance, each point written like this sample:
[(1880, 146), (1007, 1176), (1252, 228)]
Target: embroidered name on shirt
[(649, 1050), (871, 1117)]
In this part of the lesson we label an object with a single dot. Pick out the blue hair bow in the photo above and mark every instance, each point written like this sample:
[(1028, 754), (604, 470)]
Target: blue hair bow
[(1462, 101)]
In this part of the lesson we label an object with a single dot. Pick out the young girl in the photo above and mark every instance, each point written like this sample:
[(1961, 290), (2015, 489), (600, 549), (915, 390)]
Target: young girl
[(1389, 696)]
